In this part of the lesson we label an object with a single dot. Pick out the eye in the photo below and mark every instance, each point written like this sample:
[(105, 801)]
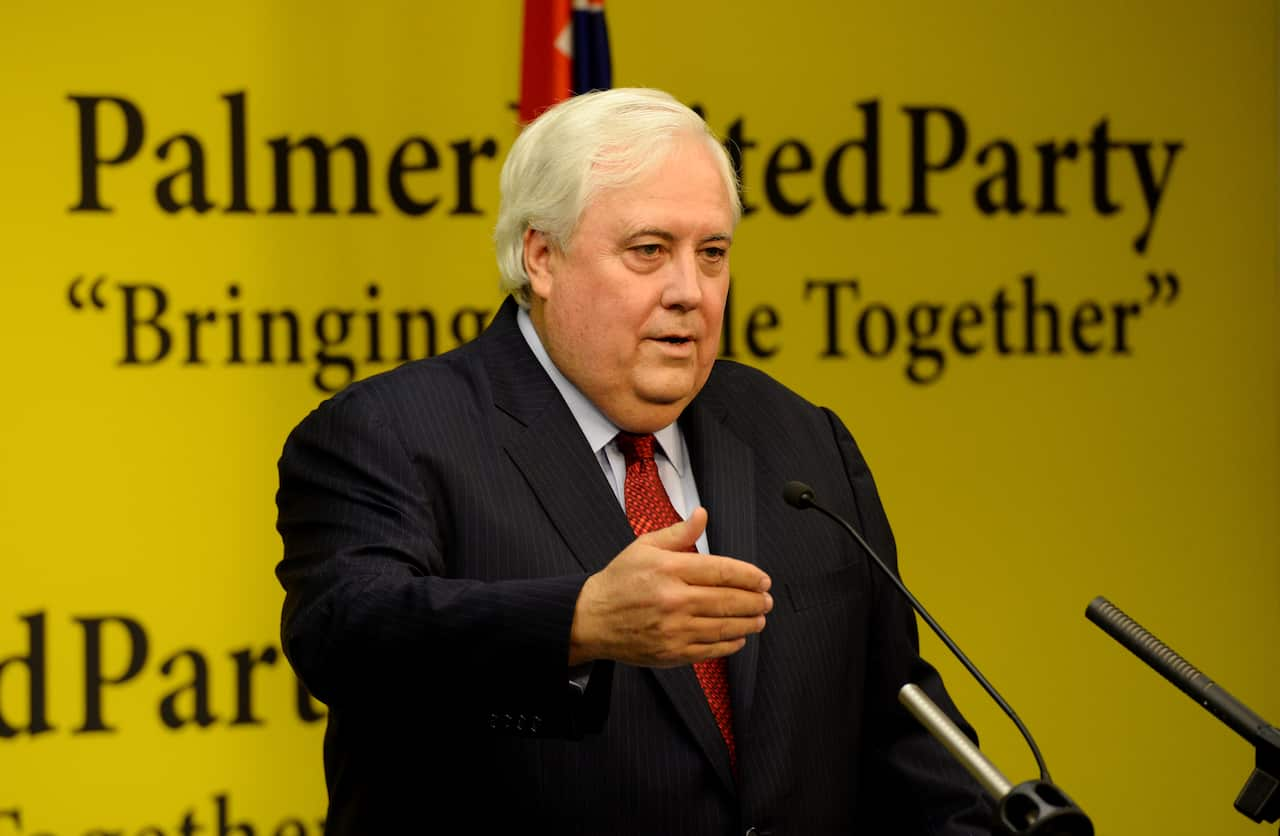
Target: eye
[(714, 253), (648, 250)]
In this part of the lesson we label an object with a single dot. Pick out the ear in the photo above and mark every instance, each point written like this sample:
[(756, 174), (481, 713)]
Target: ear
[(539, 254)]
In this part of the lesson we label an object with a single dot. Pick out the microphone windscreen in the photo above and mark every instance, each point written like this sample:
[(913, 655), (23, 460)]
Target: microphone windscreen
[(798, 494)]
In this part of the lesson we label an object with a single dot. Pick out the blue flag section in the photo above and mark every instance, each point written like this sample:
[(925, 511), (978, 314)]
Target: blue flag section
[(592, 68), (565, 52)]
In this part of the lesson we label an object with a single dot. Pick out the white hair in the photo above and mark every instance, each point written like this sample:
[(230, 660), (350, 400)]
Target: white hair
[(586, 144)]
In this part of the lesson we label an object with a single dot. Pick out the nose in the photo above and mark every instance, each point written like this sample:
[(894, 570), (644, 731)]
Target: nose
[(683, 287)]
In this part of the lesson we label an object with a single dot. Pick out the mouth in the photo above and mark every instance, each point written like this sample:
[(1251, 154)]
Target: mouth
[(674, 346)]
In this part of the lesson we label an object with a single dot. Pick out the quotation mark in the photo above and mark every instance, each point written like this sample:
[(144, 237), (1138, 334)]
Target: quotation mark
[(1166, 286), (80, 295)]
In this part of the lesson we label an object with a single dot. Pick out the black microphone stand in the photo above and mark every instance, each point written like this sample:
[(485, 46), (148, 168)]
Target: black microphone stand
[(1260, 798), (1032, 808)]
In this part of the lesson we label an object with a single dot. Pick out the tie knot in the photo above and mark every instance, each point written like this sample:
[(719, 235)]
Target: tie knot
[(635, 447)]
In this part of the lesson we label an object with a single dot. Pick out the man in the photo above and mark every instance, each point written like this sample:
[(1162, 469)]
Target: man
[(547, 581)]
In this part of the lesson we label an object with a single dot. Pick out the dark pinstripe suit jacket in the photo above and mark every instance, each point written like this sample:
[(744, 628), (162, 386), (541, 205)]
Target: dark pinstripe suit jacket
[(439, 521)]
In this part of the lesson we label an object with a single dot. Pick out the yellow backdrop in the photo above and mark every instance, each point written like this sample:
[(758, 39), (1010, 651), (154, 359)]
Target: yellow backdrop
[(1028, 251)]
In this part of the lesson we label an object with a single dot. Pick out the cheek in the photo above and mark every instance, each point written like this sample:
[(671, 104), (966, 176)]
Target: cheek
[(710, 347), (602, 328), (713, 305), (577, 308)]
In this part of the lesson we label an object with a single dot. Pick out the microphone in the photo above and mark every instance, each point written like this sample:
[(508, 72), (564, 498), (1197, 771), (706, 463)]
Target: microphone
[(1180, 672), (1260, 798), (798, 495), (949, 735), (1032, 807)]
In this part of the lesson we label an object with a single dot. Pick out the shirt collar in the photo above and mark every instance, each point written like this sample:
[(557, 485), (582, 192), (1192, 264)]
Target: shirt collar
[(595, 425)]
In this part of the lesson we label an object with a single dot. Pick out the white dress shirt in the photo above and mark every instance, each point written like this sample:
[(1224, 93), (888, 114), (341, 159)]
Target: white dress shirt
[(670, 453)]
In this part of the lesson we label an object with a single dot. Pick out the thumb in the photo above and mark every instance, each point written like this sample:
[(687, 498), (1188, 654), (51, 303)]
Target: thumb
[(679, 537)]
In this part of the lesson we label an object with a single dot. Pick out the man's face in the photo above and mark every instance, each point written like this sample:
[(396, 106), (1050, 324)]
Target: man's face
[(632, 312)]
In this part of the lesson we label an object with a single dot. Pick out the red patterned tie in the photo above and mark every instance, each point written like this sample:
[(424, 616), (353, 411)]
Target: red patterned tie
[(649, 509)]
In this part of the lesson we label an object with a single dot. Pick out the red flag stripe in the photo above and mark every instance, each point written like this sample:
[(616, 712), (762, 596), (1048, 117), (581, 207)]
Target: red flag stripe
[(546, 64)]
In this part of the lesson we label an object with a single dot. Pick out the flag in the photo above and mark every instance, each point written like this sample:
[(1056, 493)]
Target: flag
[(565, 52), (592, 69)]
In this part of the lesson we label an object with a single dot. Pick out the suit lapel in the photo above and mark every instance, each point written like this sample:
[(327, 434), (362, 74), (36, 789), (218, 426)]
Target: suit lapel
[(725, 468), (546, 445)]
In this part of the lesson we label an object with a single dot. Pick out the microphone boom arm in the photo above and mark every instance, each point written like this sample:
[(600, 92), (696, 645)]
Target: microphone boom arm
[(1260, 798), (1032, 808), (800, 495)]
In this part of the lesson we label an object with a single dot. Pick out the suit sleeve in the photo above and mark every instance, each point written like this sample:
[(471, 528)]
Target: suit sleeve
[(911, 784), (371, 618)]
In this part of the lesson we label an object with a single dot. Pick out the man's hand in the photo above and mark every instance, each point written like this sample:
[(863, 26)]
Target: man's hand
[(658, 605)]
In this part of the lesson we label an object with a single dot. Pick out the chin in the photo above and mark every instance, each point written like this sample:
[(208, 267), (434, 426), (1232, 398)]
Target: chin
[(650, 410), (668, 394)]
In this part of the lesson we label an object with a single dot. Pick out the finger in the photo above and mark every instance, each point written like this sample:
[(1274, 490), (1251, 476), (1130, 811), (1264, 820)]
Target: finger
[(713, 570), (717, 649), (697, 653), (679, 537), (726, 602), (695, 633), (716, 630)]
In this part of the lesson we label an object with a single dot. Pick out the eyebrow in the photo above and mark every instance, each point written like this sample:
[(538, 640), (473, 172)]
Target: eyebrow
[(667, 236)]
